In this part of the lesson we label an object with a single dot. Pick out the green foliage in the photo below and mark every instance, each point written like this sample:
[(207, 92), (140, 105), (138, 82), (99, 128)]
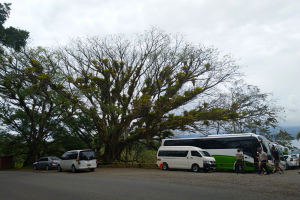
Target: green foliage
[(283, 138), (29, 108), (298, 135), (252, 110), (10, 37)]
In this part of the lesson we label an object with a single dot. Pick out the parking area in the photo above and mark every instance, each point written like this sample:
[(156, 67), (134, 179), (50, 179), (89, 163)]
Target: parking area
[(117, 182)]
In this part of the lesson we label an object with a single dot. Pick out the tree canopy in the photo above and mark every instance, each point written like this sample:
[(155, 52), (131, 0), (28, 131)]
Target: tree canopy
[(28, 106), (140, 88), (283, 138), (258, 112), (10, 37)]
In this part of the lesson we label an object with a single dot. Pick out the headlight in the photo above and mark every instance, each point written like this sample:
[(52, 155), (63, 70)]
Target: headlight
[(206, 162)]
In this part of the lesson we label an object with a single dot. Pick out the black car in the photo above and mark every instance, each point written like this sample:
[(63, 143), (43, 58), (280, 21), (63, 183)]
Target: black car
[(46, 163)]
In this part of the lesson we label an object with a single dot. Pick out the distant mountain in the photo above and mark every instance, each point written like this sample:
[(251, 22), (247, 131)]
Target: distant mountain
[(293, 130)]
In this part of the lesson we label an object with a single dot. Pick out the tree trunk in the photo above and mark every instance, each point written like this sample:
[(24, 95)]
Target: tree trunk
[(32, 156), (112, 151)]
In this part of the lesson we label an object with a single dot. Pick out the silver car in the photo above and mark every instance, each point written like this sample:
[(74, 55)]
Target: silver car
[(47, 163)]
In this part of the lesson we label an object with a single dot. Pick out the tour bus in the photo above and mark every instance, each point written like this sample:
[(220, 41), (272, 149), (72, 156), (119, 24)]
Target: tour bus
[(184, 157), (224, 147)]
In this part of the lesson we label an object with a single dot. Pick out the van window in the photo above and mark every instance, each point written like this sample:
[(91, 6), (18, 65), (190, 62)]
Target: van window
[(172, 153), (205, 153), (71, 155), (87, 155), (196, 153)]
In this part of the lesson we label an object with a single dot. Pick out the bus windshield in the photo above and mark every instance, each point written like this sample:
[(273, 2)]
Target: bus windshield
[(266, 148)]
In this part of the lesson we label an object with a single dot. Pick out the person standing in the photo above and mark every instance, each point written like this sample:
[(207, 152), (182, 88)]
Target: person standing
[(239, 162), (263, 157), (276, 160)]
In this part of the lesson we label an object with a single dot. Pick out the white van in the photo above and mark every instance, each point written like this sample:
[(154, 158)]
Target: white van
[(185, 157), (78, 160)]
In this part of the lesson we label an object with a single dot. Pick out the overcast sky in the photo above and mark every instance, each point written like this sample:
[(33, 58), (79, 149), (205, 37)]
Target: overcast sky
[(263, 35)]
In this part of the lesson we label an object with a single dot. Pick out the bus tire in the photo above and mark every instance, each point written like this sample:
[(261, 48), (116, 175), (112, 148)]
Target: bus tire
[(195, 168), (165, 166)]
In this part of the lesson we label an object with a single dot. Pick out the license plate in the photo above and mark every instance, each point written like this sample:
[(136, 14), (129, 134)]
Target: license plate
[(88, 165)]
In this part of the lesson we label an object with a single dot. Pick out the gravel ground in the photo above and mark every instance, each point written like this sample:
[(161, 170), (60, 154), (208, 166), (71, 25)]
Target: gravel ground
[(273, 186)]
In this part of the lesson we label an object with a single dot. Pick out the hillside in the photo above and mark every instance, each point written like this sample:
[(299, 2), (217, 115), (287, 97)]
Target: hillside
[(293, 130)]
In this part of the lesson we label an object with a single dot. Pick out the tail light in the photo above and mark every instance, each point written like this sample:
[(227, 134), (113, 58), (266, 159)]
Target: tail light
[(78, 160), (291, 159), (52, 162)]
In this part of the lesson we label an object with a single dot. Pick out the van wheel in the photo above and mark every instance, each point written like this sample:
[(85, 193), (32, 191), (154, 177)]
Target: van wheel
[(165, 166), (47, 167), (92, 169), (73, 169), (59, 168), (195, 168)]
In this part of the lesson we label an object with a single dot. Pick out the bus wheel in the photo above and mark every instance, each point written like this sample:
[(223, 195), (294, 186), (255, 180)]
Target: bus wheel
[(165, 166), (195, 168)]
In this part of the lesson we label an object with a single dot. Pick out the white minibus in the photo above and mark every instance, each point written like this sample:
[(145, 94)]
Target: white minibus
[(78, 160), (185, 157)]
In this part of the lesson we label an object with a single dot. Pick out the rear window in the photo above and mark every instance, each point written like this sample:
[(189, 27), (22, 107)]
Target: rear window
[(294, 156), (87, 155), (54, 158)]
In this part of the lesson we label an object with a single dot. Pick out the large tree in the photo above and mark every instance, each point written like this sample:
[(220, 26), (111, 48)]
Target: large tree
[(28, 106), (258, 112), (142, 87), (10, 37)]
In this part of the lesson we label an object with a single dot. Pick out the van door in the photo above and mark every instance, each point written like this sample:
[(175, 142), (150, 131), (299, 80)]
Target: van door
[(179, 159), (197, 158), (249, 161)]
